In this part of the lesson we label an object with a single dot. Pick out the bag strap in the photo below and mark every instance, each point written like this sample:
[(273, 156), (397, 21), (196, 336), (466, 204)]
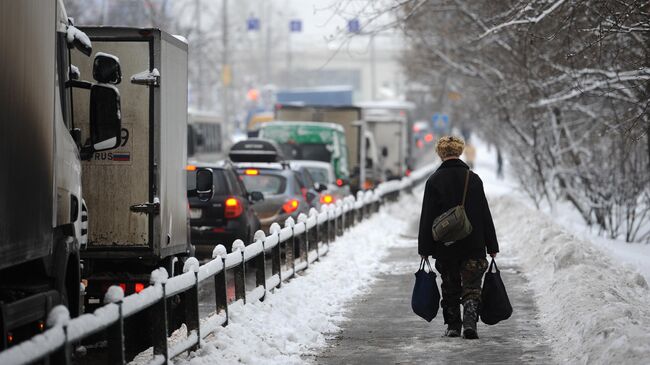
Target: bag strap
[(493, 263), (423, 262), (465, 189)]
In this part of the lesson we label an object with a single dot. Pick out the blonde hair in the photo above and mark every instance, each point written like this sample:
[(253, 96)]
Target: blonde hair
[(450, 146)]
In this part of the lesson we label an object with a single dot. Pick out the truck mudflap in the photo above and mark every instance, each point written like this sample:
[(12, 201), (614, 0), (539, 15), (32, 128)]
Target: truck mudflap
[(17, 316)]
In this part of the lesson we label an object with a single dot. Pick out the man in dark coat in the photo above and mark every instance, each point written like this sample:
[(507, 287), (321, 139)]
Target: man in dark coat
[(461, 264)]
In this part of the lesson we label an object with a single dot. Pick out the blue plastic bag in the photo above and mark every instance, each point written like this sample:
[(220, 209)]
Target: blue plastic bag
[(426, 297)]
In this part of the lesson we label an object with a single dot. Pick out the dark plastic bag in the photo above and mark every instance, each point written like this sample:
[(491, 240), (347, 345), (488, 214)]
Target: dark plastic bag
[(495, 305), (426, 297)]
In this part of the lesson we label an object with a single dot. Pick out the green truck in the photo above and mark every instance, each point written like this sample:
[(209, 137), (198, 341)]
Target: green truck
[(312, 141)]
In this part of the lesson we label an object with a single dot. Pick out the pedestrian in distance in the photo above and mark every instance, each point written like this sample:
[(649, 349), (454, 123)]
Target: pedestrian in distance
[(461, 263)]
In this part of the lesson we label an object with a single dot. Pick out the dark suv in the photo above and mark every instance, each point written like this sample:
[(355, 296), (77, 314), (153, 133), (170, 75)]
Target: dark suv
[(225, 217)]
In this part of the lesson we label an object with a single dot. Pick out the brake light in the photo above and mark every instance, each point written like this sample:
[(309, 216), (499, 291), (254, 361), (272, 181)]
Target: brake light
[(339, 182), (123, 286), (190, 168), (428, 137), (290, 206), (408, 172), (233, 208), (10, 337), (252, 172), (367, 185), (41, 326), (326, 199), (139, 287)]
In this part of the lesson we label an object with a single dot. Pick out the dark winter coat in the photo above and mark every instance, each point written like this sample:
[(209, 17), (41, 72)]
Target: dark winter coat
[(444, 190)]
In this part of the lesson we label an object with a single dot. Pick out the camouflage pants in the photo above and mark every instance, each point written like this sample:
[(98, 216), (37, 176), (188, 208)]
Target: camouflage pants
[(461, 282)]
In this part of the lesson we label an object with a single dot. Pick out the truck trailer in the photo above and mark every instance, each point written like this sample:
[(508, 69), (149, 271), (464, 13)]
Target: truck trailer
[(137, 194), (41, 201)]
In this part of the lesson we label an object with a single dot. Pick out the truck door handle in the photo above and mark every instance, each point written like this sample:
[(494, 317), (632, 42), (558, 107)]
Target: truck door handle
[(146, 208)]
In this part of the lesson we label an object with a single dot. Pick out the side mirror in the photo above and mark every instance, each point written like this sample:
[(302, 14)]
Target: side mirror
[(256, 196), (320, 187), (106, 69), (105, 117), (384, 151), (369, 163), (204, 184)]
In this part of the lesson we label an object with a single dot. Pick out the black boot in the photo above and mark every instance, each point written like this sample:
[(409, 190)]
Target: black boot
[(453, 331), (452, 319), (470, 316)]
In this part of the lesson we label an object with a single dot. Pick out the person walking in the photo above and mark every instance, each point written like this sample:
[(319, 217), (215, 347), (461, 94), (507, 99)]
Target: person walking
[(461, 264)]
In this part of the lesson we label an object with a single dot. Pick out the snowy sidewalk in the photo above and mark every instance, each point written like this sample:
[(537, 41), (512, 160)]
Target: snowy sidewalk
[(384, 330)]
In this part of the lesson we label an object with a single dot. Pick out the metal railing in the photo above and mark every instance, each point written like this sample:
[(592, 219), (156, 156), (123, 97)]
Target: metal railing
[(301, 242)]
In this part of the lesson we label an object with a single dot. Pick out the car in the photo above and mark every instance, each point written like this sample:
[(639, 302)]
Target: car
[(261, 168), (227, 216), (311, 189), (323, 174)]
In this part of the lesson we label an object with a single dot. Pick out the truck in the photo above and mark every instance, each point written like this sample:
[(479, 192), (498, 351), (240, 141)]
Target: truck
[(41, 203), (391, 135), (317, 141), (206, 137), (137, 194), (402, 112), (365, 172)]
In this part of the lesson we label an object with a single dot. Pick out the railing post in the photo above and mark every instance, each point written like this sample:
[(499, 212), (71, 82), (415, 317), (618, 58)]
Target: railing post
[(115, 339), (291, 251), (221, 291), (158, 321), (191, 302), (260, 263), (304, 254), (240, 272), (276, 257)]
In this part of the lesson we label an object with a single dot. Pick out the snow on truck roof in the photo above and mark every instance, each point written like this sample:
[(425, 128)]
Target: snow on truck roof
[(386, 104), (275, 123)]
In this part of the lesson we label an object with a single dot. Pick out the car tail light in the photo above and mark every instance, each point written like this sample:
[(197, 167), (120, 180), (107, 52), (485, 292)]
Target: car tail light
[(339, 182), (123, 286), (428, 137), (41, 326), (326, 199), (233, 208), (139, 287), (10, 338), (252, 172), (419, 144), (304, 193), (290, 206), (367, 185), (408, 172), (218, 230)]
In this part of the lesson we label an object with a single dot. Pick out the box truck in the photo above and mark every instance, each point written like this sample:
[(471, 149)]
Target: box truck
[(41, 201), (137, 194)]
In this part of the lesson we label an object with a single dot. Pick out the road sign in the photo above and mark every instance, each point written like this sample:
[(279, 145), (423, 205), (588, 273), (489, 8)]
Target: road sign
[(295, 26), (253, 24), (354, 26)]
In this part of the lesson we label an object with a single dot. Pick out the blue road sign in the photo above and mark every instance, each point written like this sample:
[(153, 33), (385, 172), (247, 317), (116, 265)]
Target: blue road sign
[(354, 26), (295, 26), (253, 24)]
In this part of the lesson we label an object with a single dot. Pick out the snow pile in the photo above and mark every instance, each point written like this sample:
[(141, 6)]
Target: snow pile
[(58, 316), (293, 320), (595, 309), (114, 294)]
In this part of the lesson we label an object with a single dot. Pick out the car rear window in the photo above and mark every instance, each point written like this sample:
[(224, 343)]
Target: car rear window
[(265, 183), (220, 184), (319, 175)]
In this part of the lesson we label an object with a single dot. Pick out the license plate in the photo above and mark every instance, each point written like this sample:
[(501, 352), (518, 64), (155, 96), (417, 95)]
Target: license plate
[(195, 213)]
